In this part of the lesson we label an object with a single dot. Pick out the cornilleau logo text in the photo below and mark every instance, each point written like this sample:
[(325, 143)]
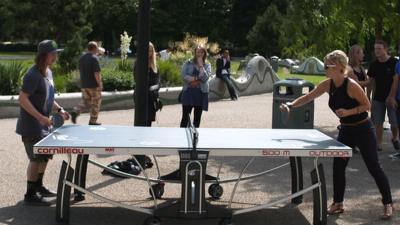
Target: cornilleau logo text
[(62, 150)]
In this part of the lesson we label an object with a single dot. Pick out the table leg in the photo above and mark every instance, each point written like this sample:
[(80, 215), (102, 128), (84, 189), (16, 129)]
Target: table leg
[(64, 193), (80, 175), (319, 195), (297, 178)]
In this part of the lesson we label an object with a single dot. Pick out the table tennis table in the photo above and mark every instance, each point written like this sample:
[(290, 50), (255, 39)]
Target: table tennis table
[(194, 146)]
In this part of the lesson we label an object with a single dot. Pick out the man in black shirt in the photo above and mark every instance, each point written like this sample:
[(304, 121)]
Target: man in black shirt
[(382, 74), (91, 84)]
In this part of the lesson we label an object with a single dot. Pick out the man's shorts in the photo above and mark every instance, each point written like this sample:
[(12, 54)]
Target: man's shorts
[(29, 142), (378, 111)]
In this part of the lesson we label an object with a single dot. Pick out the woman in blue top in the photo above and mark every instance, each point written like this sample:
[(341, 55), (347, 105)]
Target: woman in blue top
[(195, 74)]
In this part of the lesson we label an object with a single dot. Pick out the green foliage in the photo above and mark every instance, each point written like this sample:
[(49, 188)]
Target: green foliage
[(10, 77), (115, 80), (67, 82), (125, 65), (170, 74)]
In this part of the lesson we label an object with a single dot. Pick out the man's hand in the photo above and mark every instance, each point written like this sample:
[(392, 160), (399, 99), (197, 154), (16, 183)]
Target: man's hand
[(64, 114), (391, 102), (45, 121)]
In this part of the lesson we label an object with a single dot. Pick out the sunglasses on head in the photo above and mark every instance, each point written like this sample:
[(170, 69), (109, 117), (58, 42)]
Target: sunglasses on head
[(329, 66)]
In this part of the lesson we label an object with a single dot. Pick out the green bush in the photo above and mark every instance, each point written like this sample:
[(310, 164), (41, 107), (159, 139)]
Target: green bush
[(10, 77), (170, 73), (124, 65), (67, 82), (116, 80)]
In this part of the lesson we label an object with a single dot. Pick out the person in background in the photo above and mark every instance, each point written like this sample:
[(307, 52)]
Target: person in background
[(37, 102), (195, 75), (91, 84), (356, 71), (165, 54), (396, 81), (382, 74), (350, 103), (223, 72)]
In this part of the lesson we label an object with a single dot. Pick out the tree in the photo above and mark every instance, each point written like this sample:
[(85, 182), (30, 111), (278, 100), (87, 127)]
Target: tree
[(263, 36), (111, 18), (65, 21)]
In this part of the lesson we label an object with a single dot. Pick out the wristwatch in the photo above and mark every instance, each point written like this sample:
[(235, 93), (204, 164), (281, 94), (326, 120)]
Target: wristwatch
[(60, 109), (289, 105)]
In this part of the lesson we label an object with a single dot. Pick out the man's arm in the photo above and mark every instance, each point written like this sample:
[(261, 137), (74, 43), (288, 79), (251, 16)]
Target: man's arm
[(26, 104), (97, 76)]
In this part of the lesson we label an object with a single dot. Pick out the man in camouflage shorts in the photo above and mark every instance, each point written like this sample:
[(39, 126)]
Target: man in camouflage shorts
[(91, 84)]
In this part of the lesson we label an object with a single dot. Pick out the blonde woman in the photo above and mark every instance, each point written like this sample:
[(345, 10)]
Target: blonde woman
[(154, 86), (349, 102), (195, 74), (356, 71)]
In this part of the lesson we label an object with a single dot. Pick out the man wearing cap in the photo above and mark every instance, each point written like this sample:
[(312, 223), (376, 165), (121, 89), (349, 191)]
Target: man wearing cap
[(91, 84), (37, 102)]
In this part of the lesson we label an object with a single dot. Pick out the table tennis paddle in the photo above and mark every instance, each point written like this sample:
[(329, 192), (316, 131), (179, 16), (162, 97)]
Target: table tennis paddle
[(57, 120)]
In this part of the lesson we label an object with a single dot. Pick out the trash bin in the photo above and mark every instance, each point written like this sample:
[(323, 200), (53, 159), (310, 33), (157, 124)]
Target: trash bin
[(286, 91), (274, 61)]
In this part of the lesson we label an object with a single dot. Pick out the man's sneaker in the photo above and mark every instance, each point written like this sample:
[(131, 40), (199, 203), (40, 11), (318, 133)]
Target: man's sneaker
[(74, 114), (36, 200), (395, 156), (396, 144), (44, 192), (95, 124)]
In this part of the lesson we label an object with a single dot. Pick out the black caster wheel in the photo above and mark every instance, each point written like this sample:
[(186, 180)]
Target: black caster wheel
[(215, 191), (158, 190), (152, 221), (226, 221), (147, 162)]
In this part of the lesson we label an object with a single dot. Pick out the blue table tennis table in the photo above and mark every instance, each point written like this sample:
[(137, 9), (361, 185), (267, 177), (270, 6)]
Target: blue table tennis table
[(194, 147)]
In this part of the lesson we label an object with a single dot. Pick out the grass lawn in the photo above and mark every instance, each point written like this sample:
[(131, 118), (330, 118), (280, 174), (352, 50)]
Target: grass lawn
[(315, 79)]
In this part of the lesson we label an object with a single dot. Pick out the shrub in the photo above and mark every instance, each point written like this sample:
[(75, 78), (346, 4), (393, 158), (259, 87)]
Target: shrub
[(170, 73), (10, 77), (124, 65), (116, 80)]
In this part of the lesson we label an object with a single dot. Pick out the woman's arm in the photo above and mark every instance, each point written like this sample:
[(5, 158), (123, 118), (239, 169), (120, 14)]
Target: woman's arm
[(185, 73), (206, 72), (318, 91)]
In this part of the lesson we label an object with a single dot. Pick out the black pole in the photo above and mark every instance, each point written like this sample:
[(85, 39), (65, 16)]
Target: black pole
[(141, 68)]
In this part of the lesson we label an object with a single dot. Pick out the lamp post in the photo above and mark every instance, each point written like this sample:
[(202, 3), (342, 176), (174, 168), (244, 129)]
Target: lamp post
[(141, 68)]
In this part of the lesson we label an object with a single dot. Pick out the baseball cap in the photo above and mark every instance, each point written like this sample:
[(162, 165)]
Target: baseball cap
[(48, 46)]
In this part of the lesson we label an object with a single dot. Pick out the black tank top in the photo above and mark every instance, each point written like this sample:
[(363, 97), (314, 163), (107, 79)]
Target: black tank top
[(360, 75), (340, 99)]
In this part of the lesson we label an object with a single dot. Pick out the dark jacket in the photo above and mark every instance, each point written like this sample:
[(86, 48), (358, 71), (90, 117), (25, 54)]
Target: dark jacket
[(220, 67)]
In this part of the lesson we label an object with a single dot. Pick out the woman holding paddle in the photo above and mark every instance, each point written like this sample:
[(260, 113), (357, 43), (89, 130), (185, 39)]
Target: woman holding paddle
[(349, 102)]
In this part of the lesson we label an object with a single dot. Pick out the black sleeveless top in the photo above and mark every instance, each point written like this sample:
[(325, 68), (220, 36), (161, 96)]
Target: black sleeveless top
[(339, 98), (360, 75)]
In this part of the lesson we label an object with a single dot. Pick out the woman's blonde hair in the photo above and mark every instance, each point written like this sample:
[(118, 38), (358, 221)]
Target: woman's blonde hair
[(355, 49), (153, 58), (339, 58)]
